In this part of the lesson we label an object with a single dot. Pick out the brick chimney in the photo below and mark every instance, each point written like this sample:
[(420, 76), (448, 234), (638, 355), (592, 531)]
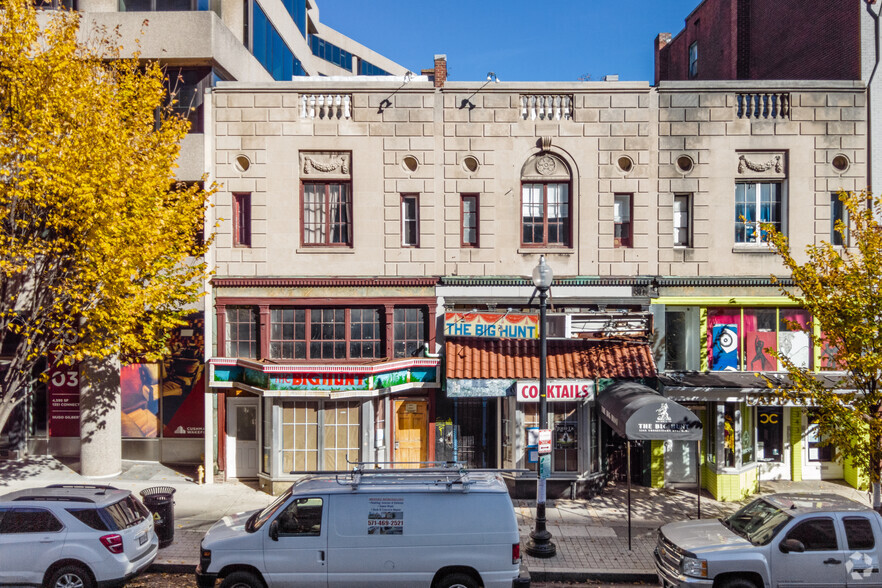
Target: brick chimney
[(440, 70)]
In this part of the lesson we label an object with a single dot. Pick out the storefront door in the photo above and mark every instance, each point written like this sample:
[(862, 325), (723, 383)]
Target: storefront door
[(772, 446), (242, 450), (819, 461), (411, 427)]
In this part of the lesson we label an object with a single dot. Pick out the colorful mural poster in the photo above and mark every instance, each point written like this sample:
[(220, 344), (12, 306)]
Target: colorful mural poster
[(758, 346), (63, 392), (724, 349), (183, 382), (139, 384)]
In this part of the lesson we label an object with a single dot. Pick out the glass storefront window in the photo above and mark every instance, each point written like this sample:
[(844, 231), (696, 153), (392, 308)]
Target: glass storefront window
[(817, 449), (710, 445), (675, 341), (531, 421), (760, 339), (769, 433), (793, 341), (747, 455), (724, 335), (565, 457), (299, 436), (341, 434), (267, 434), (731, 417)]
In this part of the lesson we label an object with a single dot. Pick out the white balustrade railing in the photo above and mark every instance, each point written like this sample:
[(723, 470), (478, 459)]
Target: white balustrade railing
[(767, 105), (326, 106), (546, 107)]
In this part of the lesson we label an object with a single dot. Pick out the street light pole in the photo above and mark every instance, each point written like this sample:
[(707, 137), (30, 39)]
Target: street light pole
[(540, 544)]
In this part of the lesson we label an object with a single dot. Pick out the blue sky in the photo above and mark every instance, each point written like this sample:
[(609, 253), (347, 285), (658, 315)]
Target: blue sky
[(519, 40)]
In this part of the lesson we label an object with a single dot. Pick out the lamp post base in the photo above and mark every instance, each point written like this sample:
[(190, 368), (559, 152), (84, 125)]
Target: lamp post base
[(540, 545)]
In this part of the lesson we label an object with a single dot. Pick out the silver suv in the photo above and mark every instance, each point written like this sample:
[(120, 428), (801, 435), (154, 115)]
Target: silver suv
[(74, 536)]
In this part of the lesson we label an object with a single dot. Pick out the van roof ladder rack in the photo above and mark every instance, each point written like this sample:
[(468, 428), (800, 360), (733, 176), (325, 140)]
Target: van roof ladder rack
[(449, 473)]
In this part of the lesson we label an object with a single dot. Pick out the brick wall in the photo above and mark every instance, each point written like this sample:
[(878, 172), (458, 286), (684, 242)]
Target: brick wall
[(767, 40)]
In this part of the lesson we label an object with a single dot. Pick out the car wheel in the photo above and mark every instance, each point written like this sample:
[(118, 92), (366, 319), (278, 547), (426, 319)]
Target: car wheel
[(457, 580), (737, 583), (71, 576), (241, 580)]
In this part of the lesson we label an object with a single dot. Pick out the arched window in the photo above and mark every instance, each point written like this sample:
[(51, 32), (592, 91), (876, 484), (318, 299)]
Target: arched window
[(546, 202)]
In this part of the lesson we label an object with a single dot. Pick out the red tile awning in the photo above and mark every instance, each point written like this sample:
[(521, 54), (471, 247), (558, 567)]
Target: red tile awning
[(473, 358)]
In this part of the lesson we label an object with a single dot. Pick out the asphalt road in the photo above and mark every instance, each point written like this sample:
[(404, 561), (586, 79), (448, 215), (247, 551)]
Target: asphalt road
[(189, 581)]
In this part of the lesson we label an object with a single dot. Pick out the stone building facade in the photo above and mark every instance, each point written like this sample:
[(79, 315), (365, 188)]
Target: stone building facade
[(359, 221)]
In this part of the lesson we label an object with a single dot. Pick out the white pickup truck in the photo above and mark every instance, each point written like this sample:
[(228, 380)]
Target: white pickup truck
[(782, 541)]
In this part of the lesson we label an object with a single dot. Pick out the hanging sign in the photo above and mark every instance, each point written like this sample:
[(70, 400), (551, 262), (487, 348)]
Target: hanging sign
[(491, 326)]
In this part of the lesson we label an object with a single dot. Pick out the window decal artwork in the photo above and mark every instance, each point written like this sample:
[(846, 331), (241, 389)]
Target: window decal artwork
[(724, 349)]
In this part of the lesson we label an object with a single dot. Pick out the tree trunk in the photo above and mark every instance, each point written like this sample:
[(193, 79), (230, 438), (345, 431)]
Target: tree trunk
[(100, 418)]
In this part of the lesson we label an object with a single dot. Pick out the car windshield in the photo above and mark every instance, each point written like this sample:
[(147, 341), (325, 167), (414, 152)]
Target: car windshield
[(260, 518), (758, 522)]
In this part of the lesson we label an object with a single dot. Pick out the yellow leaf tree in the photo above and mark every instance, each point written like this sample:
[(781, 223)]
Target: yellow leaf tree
[(99, 248), (842, 289)]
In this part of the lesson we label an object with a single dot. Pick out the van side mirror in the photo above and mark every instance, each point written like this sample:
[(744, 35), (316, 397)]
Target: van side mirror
[(794, 545), (274, 530)]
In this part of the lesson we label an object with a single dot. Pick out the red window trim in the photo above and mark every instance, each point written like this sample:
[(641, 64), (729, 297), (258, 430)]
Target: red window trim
[(241, 219), (568, 241), (326, 184), (462, 241), (625, 241), (416, 199)]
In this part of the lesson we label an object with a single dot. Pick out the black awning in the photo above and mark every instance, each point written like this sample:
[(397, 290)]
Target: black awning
[(637, 412)]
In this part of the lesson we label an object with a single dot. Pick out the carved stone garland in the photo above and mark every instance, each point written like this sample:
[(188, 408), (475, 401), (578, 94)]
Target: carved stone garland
[(775, 163)]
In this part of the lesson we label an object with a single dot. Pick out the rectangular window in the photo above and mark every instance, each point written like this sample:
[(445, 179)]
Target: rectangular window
[(838, 213), (241, 332), (410, 220), (545, 216), (755, 203), (242, 220), (321, 333), (746, 434), (409, 328), (769, 433), (300, 437), (341, 434), (693, 60), (288, 333), (622, 236), (676, 327), (327, 214), (859, 533), (682, 220), (327, 333), (469, 231)]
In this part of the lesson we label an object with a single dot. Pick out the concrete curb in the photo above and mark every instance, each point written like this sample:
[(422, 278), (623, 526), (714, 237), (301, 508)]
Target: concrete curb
[(611, 576)]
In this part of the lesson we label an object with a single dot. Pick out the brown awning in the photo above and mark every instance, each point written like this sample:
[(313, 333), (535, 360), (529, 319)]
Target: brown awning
[(474, 358)]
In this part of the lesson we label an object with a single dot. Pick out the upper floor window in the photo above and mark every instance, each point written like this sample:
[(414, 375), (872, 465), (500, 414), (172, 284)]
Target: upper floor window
[(297, 10), (693, 60), (546, 206), (756, 203), (838, 212), (185, 91), (330, 52), (56, 4), (162, 5), (623, 231), (365, 68), (743, 338), (409, 331), (268, 47), (242, 220), (469, 231), (410, 220), (325, 333), (682, 220), (546, 214), (241, 332), (327, 213)]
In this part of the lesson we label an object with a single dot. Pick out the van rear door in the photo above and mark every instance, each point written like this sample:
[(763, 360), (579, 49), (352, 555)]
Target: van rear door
[(295, 547)]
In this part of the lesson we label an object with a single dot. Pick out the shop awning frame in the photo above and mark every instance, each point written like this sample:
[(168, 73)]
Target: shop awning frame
[(639, 413)]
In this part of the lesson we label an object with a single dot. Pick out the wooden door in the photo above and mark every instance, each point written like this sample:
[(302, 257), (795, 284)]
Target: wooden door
[(411, 433)]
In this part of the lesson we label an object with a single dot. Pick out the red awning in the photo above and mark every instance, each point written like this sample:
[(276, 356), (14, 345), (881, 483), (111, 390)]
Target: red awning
[(474, 358)]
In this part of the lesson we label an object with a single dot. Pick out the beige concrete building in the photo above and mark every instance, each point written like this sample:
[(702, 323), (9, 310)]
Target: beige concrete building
[(360, 220)]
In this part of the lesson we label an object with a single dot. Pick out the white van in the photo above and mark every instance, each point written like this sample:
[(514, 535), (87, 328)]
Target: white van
[(443, 528)]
